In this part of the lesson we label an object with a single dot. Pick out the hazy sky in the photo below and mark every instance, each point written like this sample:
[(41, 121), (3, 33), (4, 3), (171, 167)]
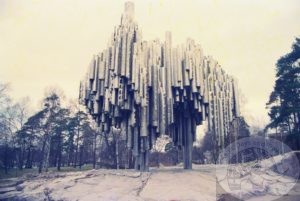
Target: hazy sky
[(50, 42)]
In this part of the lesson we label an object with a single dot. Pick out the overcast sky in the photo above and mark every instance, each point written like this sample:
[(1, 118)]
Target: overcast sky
[(50, 42)]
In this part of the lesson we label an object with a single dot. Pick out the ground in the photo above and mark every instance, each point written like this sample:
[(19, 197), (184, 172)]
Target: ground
[(164, 184), (170, 183)]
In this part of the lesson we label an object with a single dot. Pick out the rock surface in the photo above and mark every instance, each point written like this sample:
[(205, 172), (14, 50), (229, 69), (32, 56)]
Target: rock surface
[(163, 184), (117, 185)]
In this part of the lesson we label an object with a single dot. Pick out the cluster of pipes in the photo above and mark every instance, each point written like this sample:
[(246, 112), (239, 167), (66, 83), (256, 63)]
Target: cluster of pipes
[(143, 89)]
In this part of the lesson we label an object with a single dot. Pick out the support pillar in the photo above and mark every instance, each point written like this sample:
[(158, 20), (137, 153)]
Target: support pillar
[(188, 145), (142, 162), (187, 152)]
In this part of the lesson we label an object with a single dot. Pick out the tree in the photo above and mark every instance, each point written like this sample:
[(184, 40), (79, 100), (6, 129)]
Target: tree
[(52, 108), (4, 98), (238, 129), (21, 115), (54, 136), (80, 136), (284, 100), (60, 132), (7, 128), (12, 117), (29, 135), (209, 145)]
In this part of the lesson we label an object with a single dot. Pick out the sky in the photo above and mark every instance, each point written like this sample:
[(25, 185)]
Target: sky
[(51, 42)]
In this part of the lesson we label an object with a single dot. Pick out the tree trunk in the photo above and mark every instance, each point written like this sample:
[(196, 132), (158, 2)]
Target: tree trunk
[(70, 153), (59, 152), (42, 155), (6, 159), (28, 158), (48, 155), (22, 156), (76, 152), (80, 156), (94, 151), (117, 154)]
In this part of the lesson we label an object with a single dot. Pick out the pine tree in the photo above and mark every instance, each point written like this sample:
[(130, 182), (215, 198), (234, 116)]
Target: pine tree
[(284, 101)]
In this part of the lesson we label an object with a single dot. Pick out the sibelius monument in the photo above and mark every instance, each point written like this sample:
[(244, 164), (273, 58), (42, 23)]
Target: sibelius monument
[(143, 89)]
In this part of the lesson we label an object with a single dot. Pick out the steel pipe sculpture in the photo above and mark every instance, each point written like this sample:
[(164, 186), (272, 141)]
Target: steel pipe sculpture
[(151, 88)]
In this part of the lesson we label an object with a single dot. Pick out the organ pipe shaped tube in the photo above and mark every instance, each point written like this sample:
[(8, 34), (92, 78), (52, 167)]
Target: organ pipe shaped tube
[(146, 89)]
